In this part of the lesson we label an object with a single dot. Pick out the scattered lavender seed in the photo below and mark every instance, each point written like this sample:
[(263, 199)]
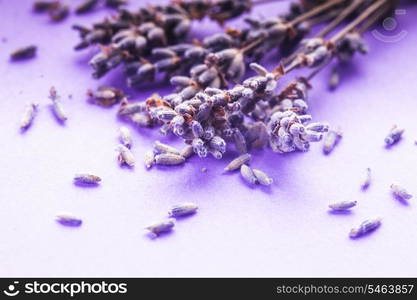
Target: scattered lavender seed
[(400, 192), (334, 79), (238, 162), (367, 180), (149, 159), (183, 209), (23, 53), (343, 205), (331, 139), (125, 155), (204, 170), (393, 136), (365, 227), (262, 178), (125, 136), (28, 115), (86, 6), (187, 151), (58, 12), (164, 148), (160, 227), (85, 178), (169, 159), (68, 220), (248, 175), (56, 105)]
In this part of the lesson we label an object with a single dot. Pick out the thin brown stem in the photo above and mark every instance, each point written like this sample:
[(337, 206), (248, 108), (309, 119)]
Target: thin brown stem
[(315, 11), (339, 19), (372, 20), (362, 17)]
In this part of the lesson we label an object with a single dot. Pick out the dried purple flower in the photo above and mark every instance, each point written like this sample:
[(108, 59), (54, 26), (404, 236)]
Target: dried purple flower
[(28, 116), (365, 227), (125, 156), (331, 139), (248, 175), (125, 136), (343, 205), (84, 178), (68, 220), (393, 136), (24, 53), (238, 162), (161, 227), (169, 159), (367, 180), (400, 192), (183, 209), (57, 106), (262, 177)]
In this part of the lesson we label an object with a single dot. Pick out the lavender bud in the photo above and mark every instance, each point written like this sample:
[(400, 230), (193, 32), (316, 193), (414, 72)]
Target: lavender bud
[(318, 127), (164, 148), (199, 147), (125, 156), (367, 180), (183, 209), (365, 227), (262, 177), (68, 220), (342, 206), (197, 129), (86, 179), (248, 175), (400, 192), (169, 159), (258, 69), (28, 116), (161, 227), (218, 143), (330, 141), (166, 115), (187, 151), (125, 136), (149, 159), (312, 136), (238, 162), (394, 135)]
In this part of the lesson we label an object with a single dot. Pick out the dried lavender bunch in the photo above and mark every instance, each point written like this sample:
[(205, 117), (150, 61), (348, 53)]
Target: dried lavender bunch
[(140, 41)]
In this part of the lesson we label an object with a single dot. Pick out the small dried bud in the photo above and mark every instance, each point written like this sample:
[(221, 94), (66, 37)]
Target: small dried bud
[(28, 116), (125, 136), (331, 139), (238, 162), (365, 227), (393, 136), (182, 209), (23, 53), (169, 159), (262, 177), (342, 206), (400, 192), (125, 156), (84, 178), (68, 220), (248, 175), (164, 148), (161, 227), (149, 159), (367, 180)]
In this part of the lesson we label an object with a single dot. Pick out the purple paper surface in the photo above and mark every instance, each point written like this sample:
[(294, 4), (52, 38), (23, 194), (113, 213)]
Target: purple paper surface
[(285, 230)]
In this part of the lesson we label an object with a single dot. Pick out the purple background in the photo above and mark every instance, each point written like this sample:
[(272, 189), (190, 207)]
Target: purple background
[(282, 231)]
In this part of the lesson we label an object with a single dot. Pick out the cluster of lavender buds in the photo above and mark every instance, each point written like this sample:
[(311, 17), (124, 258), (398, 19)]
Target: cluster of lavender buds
[(90, 5), (151, 41), (207, 120)]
